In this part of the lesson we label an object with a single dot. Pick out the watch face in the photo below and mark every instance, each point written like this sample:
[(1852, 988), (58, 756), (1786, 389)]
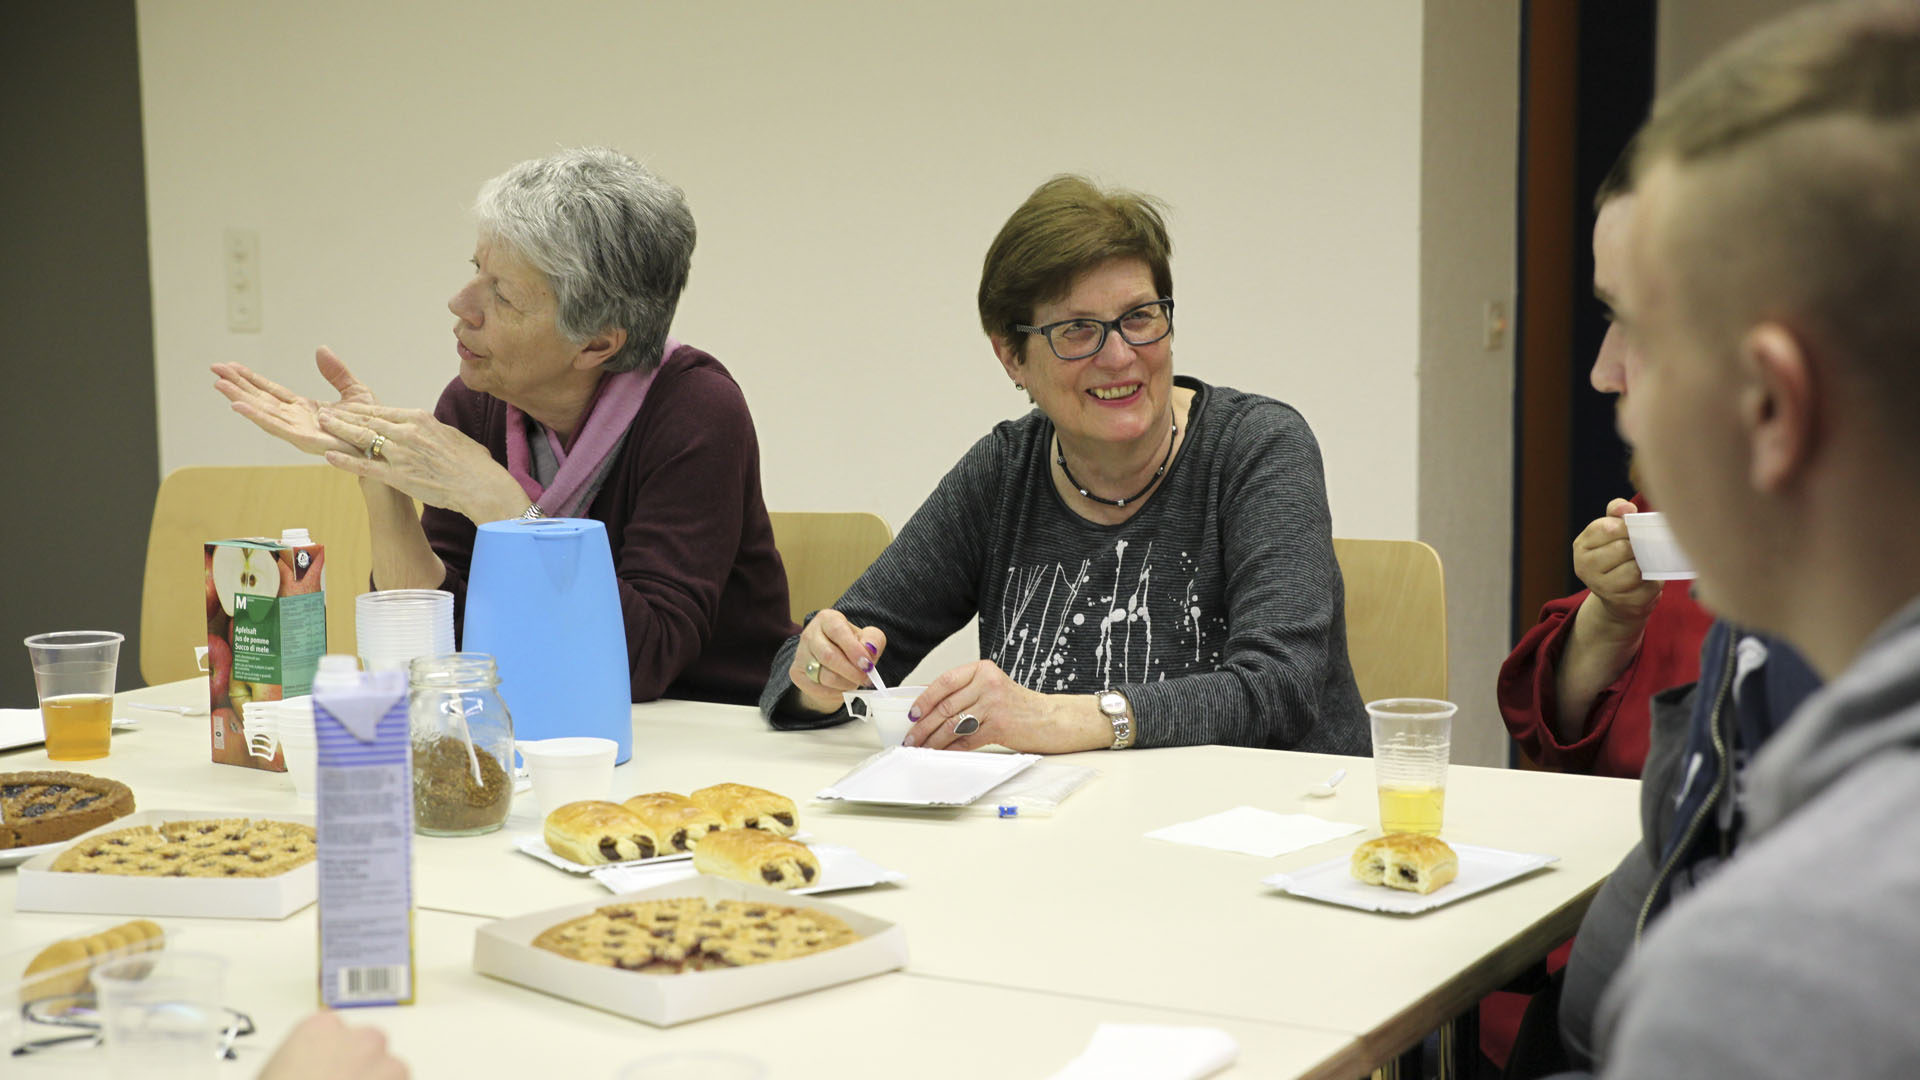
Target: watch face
[(1113, 704)]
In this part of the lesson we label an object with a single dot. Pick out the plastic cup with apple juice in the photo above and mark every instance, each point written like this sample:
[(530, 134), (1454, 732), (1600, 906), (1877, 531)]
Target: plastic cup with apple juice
[(1412, 744), (73, 673)]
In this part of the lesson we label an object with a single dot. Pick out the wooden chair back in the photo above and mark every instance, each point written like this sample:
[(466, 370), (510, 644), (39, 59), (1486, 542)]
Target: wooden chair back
[(1396, 617), (824, 553), (201, 503)]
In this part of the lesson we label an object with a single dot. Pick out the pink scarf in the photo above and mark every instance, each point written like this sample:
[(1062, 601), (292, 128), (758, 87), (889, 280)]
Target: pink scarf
[(616, 401)]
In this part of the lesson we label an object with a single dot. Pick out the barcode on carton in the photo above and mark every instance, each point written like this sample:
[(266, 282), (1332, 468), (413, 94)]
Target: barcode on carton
[(385, 983)]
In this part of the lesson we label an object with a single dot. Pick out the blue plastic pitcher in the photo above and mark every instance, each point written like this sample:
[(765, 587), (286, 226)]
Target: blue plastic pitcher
[(543, 600)]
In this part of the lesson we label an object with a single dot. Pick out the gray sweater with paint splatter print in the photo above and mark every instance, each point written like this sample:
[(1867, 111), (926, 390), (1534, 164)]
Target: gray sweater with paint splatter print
[(1218, 609)]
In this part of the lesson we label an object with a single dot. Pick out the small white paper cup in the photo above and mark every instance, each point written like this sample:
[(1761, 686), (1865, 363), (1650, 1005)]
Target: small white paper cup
[(885, 711), (571, 769), (1655, 549)]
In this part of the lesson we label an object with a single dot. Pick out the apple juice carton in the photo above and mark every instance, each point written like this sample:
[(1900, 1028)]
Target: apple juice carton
[(364, 826), (266, 632)]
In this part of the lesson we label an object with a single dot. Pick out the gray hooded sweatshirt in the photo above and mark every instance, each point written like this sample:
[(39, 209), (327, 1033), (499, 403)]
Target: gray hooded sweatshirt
[(1802, 957)]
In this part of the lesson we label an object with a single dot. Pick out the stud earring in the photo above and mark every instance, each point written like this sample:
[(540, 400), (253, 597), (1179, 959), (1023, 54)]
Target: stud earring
[(1019, 386)]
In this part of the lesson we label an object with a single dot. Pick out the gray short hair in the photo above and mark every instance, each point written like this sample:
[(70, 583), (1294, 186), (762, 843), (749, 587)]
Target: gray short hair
[(614, 241)]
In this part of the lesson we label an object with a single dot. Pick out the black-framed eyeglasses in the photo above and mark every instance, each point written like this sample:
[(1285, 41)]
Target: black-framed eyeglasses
[(1077, 339)]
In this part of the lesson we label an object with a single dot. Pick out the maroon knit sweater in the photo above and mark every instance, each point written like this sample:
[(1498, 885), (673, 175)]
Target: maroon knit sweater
[(702, 589)]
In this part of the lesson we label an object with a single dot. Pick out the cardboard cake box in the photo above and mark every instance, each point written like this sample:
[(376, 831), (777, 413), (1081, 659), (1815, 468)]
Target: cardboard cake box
[(504, 950), (41, 888)]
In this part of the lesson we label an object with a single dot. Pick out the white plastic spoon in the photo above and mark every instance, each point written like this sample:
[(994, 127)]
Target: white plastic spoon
[(1325, 790)]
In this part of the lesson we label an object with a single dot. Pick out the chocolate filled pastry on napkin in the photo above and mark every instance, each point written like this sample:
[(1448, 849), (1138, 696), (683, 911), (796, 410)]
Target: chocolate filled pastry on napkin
[(1406, 861), (678, 820), (757, 857), (593, 832), (744, 807)]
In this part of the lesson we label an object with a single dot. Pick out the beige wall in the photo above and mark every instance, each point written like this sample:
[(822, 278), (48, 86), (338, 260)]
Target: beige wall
[(848, 163), (1468, 173)]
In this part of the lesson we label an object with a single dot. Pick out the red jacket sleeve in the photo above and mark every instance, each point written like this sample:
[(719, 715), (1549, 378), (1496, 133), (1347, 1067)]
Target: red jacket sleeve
[(1613, 741)]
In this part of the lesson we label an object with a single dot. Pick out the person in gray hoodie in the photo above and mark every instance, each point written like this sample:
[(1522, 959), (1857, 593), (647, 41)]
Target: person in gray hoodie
[(1770, 275)]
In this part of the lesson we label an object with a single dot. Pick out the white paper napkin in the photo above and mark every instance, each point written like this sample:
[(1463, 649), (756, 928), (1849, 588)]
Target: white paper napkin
[(1253, 831), (1152, 1052)]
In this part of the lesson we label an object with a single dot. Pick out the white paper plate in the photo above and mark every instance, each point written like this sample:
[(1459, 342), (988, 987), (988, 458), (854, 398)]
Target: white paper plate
[(535, 844), (917, 776), (1481, 868), (21, 727), (16, 856), (840, 868)]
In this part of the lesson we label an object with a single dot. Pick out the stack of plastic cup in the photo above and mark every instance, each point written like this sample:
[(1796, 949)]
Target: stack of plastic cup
[(286, 726), (395, 625)]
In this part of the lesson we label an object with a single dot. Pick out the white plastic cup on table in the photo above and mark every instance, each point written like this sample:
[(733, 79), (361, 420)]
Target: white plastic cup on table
[(1655, 549), (393, 626), (73, 673), (572, 769), (699, 1065), (885, 711), (1412, 743), (162, 1014)]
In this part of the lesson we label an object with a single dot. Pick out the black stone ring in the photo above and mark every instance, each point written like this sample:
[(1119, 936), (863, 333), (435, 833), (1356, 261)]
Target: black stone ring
[(966, 725)]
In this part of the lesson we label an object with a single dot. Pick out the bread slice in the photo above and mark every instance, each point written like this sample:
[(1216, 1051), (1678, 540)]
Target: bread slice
[(1406, 861)]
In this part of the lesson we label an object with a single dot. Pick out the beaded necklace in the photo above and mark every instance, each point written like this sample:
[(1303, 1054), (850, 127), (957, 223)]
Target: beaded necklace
[(1060, 456)]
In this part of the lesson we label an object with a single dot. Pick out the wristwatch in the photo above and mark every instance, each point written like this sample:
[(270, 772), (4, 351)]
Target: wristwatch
[(1113, 705)]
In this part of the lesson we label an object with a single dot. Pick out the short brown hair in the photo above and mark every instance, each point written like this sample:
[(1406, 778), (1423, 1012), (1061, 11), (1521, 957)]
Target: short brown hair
[(1069, 225), (1808, 133)]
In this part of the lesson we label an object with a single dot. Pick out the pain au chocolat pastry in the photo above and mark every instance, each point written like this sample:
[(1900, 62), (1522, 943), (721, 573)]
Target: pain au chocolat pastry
[(678, 820), (743, 807), (593, 832), (757, 857), (1406, 861)]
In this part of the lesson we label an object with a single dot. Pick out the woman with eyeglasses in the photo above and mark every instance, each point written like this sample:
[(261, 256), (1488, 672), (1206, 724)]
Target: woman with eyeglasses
[(1150, 557)]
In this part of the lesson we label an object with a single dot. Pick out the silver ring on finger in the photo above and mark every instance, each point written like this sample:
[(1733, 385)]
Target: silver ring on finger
[(375, 447), (813, 670), (966, 725)]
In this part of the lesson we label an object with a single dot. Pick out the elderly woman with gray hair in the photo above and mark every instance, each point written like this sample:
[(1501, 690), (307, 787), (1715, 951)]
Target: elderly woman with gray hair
[(572, 401)]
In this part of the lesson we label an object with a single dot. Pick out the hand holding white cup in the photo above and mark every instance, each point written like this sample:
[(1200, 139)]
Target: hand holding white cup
[(1655, 549)]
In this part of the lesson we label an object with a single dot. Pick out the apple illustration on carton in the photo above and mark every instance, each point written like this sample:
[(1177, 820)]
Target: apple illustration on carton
[(219, 669), (237, 570)]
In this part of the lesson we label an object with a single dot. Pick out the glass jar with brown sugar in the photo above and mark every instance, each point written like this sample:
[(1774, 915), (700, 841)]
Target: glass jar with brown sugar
[(462, 746)]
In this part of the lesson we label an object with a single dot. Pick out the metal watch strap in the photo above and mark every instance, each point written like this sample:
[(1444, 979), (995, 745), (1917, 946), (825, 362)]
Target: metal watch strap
[(1114, 705)]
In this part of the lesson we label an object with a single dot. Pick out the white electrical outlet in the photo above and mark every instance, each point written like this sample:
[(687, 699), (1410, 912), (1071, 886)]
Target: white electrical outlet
[(243, 281)]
